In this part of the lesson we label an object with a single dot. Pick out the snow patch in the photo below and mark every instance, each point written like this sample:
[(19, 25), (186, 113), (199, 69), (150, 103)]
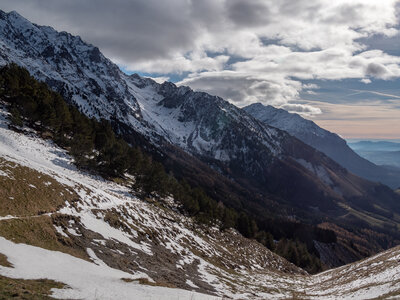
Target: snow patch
[(60, 231), (85, 280)]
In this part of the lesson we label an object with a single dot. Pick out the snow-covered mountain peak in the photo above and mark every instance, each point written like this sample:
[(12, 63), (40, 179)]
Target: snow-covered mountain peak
[(16, 19), (142, 82), (69, 65), (284, 120)]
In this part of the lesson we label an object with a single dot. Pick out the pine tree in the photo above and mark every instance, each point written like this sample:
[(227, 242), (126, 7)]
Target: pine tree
[(15, 117)]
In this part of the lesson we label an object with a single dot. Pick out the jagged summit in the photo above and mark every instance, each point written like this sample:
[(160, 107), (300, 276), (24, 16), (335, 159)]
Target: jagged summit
[(282, 119), (76, 69)]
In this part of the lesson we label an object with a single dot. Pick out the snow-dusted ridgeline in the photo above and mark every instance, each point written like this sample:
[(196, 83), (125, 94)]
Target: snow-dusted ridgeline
[(198, 123)]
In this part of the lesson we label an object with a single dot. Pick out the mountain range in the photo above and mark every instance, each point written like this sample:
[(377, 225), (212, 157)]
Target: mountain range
[(382, 153), (327, 142), (375, 146), (234, 155)]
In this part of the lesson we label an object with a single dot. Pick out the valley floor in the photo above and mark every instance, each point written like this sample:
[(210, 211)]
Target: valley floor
[(94, 239)]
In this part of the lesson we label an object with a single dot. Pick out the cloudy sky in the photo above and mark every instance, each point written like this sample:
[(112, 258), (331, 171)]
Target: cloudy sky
[(335, 62)]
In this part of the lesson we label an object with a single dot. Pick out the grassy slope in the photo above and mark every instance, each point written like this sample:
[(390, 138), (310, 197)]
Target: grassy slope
[(26, 192), (39, 230), (29, 195), (36, 221), (32, 197), (27, 289)]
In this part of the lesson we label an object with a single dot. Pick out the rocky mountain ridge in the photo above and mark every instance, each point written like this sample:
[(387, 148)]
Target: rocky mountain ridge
[(325, 141)]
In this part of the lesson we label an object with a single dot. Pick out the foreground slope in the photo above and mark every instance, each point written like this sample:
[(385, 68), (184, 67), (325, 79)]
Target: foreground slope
[(325, 141), (102, 219), (96, 240)]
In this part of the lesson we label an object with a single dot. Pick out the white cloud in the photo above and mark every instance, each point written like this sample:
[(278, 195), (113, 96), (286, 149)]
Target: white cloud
[(160, 79), (245, 88), (366, 80), (193, 62), (302, 109), (310, 86)]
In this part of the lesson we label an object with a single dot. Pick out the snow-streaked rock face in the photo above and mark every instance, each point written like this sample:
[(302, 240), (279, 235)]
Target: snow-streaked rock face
[(323, 140), (69, 65), (200, 123)]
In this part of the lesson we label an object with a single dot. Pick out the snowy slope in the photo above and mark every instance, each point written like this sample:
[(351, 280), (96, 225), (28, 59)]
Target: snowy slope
[(152, 241), (85, 280), (323, 140)]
